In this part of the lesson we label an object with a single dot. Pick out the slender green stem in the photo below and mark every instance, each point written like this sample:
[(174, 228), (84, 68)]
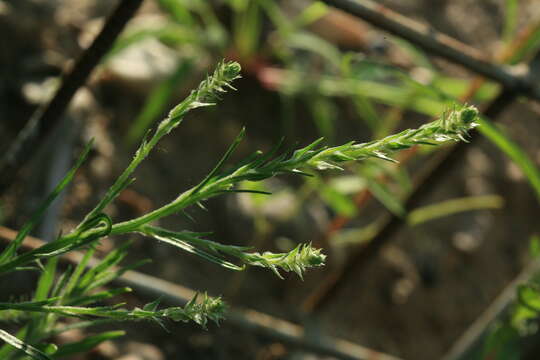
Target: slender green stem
[(452, 126), (208, 90)]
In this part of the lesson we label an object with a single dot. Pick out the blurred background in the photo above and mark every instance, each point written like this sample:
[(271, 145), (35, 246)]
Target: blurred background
[(310, 70)]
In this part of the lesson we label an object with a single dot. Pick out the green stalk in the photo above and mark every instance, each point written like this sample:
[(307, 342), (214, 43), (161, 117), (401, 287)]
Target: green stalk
[(452, 126), (209, 89)]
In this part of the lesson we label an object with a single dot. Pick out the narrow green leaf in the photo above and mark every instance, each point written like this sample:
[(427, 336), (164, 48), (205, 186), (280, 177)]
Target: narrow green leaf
[(46, 280), (6, 350), (529, 296), (513, 151), (186, 246), (81, 325), (454, 206), (112, 259), (178, 10), (81, 267), (247, 25), (456, 87), (529, 48), (61, 284), (92, 230), (26, 348), (87, 344), (534, 246), (311, 13), (152, 306), (382, 193), (225, 157), (314, 44), (324, 113), (210, 88), (106, 277), (339, 202), (366, 111), (94, 298), (511, 12), (501, 344), (385, 196), (25, 305), (36, 217), (418, 56), (157, 101), (274, 11), (169, 33)]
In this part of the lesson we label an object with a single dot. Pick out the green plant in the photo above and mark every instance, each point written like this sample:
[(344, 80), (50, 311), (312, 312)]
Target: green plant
[(507, 334), (199, 35), (77, 292)]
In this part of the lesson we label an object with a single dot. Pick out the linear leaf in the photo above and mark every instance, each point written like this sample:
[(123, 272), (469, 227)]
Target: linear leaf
[(27, 349), (46, 280), (454, 206), (36, 217), (156, 102), (511, 12), (513, 151), (86, 344)]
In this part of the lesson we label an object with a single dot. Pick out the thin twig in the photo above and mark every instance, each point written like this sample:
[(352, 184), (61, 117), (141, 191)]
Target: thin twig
[(45, 119), (265, 325), (438, 44)]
